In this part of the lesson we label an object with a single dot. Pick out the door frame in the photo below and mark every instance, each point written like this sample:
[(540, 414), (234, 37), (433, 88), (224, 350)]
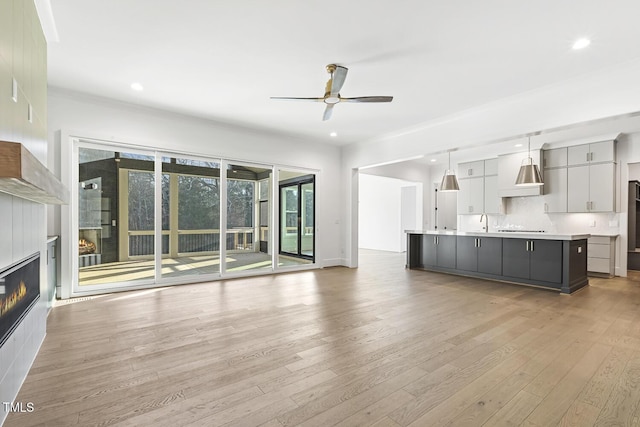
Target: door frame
[(299, 182)]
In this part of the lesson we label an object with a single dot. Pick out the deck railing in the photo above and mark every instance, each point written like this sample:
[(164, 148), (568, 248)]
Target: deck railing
[(189, 242)]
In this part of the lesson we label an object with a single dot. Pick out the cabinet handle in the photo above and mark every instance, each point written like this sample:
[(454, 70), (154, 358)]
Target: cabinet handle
[(532, 246), (469, 172), (435, 240), (588, 156), (479, 242), (591, 156), (528, 246)]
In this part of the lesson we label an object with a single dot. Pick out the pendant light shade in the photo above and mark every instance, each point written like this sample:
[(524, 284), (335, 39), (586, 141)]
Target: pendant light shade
[(529, 173), (449, 180)]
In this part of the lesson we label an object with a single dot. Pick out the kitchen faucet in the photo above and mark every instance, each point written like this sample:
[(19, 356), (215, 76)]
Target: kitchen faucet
[(486, 222)]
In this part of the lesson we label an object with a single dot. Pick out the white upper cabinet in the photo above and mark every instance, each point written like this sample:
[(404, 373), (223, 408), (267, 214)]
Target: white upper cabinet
[(491, 167), (591, 182), (602, 152), (578, 185), (479, 188), (602, 187), (471, 196), (554, 158), (555, 190), (471, 169), (597, 152)]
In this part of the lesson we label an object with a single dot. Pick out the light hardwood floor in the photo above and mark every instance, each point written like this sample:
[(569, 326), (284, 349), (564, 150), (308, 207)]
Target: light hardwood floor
[(375, 346)]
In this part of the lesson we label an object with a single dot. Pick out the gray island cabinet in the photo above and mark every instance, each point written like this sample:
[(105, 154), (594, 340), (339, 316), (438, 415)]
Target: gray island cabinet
[(557, 262)]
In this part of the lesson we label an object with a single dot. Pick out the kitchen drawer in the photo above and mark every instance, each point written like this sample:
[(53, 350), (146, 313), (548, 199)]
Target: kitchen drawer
[(601, 240), (598, 251), (598, 265)]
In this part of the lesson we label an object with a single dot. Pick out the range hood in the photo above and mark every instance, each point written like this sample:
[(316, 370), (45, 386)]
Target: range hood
[(22, 175)]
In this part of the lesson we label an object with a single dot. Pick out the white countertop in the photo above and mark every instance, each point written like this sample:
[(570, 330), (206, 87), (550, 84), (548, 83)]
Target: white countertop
[(506, 235)]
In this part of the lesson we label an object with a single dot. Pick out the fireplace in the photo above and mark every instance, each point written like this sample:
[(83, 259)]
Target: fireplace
[(19, 290)]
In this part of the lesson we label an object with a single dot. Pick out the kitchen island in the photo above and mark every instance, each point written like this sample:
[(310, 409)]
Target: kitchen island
[(545, 260)]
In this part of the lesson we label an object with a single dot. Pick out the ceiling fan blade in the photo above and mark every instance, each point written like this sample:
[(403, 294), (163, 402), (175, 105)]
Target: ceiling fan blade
[(285, 98), (327, 112), (338, 78), (368, 99)]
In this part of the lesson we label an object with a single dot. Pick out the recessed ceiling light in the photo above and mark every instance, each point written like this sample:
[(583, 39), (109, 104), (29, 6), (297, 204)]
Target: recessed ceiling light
[(581, 43), (434, 160), (333, 134), (137, 87), (518, 145)]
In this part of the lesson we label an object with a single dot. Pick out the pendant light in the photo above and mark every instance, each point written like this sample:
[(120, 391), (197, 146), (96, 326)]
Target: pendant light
[(529, 172), (449, 180)]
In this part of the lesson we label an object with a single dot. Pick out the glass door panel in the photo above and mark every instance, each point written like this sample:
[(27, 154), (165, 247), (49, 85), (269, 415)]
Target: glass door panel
[(289, 219), (247, 205), (190, 217), (115, 217), (297, 218), (307, 217)]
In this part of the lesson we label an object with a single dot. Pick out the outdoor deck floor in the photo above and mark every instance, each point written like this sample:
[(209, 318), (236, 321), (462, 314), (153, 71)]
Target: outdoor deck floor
[(176, 267)]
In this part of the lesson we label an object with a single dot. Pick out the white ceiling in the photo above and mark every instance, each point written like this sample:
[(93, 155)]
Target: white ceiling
[(222, 60)]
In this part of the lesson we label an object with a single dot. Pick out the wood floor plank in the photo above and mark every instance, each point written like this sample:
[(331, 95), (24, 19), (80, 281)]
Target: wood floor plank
[(515, 411), (623, 401), (599, 387), (552, 408), (479, 411), (379, 345), (377, 411), (343, 403), (579, 414)]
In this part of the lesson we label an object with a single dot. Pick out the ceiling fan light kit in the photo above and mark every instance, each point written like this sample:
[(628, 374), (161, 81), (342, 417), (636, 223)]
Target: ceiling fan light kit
[(332, 92)]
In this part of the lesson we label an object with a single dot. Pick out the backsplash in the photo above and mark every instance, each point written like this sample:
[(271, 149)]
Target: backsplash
[(527, 213)]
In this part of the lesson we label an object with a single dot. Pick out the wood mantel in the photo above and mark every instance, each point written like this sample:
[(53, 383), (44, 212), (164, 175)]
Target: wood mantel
[(22, 175)]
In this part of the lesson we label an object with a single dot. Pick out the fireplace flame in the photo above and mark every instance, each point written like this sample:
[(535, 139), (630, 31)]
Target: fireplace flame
[(11, 300), (86, 247)]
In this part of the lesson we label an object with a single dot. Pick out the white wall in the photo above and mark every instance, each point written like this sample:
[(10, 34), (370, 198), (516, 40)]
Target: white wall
[(76, 115), (380, 209), (413, 172)]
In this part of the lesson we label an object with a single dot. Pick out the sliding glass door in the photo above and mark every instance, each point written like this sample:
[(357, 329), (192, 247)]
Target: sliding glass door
[(148, 217), (190, 217), (116, 217), (297, 218), (248, 205)]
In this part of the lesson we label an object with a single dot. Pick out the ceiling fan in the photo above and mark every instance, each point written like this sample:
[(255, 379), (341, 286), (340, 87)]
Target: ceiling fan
[(332, 92)]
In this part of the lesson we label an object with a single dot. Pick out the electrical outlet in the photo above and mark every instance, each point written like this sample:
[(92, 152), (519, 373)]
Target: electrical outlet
[(592, 223)]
